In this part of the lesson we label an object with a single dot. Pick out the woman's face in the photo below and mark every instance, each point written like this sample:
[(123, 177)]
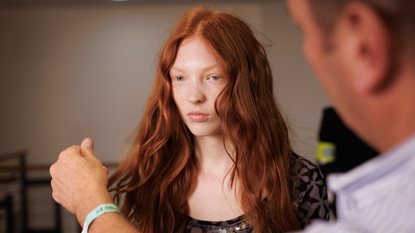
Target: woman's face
[(197, 79)]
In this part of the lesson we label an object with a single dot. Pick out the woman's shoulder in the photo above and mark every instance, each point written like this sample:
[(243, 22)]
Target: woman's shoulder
[(304, 175), (301, 165), (309, 191)]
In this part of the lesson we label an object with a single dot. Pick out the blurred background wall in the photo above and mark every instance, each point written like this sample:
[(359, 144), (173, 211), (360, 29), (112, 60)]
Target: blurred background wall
[(79, 69)]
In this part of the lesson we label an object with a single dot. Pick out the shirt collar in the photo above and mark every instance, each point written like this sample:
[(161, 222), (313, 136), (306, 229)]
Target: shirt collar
[(374, 168)]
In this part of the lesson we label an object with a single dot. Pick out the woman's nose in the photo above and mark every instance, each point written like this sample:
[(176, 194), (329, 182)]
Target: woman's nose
[(196, 94)]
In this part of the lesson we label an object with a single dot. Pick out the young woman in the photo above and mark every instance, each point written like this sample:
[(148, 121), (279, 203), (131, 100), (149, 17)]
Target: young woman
[(212, 144), (212, 152)]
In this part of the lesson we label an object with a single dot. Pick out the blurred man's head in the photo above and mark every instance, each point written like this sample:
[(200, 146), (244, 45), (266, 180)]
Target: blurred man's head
[(360, 51)]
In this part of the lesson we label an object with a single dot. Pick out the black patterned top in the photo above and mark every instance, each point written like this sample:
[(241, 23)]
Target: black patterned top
[(309, 201)]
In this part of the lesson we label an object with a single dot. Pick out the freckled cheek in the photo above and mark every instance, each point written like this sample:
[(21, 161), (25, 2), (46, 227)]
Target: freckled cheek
[(215, 95), (216, 88), (179, 98), (212, 93), (178, 92)]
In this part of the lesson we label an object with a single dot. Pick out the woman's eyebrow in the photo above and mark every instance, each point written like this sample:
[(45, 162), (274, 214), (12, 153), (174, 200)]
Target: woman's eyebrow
[(178, 69)]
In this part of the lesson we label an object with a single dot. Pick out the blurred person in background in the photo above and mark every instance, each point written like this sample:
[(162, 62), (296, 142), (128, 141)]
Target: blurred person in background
[(363, 54)]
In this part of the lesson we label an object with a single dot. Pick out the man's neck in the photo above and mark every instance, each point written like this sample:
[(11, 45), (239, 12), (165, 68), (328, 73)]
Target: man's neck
[(394, 120)]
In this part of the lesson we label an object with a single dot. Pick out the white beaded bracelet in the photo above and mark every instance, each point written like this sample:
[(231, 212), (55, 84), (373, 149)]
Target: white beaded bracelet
[(104, 208)]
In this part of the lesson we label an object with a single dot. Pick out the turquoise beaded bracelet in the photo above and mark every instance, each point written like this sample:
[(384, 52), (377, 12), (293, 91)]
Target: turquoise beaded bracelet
[(104, 208)]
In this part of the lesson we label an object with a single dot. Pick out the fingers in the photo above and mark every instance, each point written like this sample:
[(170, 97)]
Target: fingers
[(87, 147)]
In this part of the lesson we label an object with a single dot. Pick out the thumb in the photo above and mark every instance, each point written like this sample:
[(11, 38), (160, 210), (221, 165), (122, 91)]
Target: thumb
[(87, 147)]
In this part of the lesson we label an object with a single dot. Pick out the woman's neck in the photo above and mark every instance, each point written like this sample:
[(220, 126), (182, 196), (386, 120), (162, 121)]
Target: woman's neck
[(211, 154), (213, 199)]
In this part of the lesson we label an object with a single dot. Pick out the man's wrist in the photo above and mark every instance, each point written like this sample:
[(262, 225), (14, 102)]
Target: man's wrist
[(101, 209), (90, 204)]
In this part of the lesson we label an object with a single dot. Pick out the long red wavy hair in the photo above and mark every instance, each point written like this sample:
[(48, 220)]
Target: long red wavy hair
[(157, 177)]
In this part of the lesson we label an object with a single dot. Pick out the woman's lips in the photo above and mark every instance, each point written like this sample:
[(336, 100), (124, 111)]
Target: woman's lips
[(196, 116)]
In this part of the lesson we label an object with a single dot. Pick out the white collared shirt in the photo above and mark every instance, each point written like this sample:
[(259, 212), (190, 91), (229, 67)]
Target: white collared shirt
[(377, 196)]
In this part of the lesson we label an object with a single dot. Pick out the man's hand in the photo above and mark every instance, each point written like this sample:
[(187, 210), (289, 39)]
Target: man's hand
[(79, 181)]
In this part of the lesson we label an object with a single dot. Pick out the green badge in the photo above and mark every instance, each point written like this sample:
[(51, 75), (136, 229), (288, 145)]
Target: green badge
[(326, 152)]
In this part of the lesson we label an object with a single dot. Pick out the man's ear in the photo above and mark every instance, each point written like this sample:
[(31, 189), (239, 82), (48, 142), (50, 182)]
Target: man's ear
[(365, 44)]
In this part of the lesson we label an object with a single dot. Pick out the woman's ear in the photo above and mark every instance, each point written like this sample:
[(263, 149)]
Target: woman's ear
[(366, 47)]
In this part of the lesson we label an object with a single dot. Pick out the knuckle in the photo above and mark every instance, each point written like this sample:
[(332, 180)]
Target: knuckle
[(52, 170), (69, 152), (65, 155), (73, 148), (52, 184), (55, 197)]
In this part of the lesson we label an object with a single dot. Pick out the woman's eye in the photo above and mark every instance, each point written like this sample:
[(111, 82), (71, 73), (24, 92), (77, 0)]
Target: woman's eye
[(215, 78), (179, 78)]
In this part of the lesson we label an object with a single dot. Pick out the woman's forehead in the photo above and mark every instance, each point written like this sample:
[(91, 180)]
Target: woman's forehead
[(194, 51)]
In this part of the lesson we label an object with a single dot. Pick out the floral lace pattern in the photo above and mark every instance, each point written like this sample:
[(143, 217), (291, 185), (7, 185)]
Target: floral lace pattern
[(309, 191)]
